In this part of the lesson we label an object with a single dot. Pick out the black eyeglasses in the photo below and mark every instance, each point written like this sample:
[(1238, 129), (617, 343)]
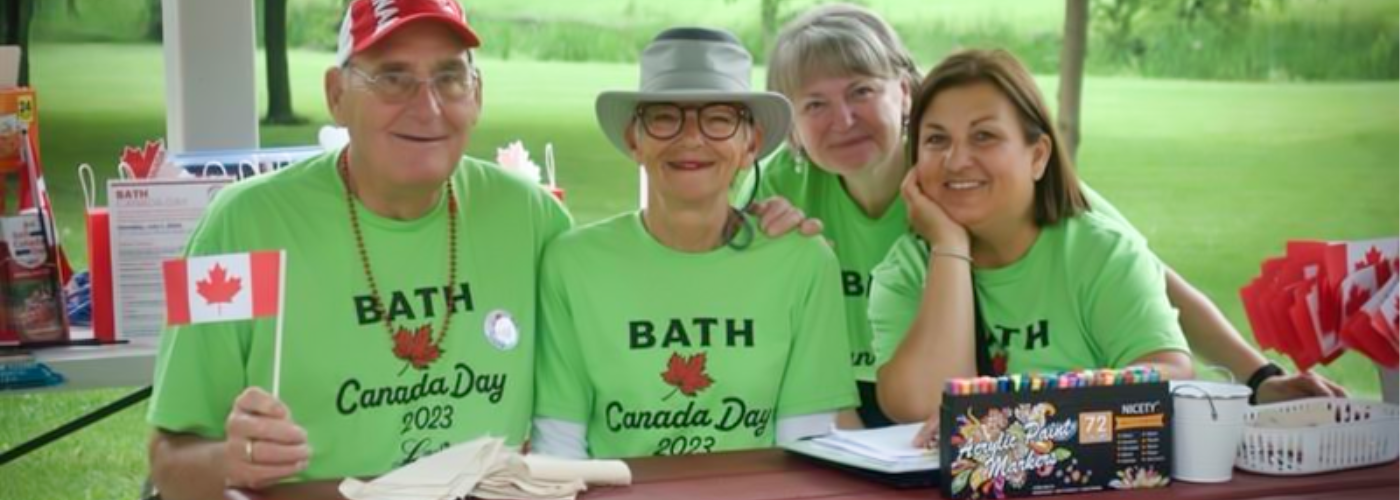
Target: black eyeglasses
[(718, 121), (397, 87)]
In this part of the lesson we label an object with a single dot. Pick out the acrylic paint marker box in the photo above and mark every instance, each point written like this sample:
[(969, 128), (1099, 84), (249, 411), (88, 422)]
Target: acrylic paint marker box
[(1018, 443)]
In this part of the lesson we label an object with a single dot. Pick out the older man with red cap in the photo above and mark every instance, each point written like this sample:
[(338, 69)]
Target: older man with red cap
[(410, 282)]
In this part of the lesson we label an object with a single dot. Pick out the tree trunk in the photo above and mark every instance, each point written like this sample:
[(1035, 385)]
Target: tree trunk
[(155, 24), (768, 20), (9, 23), (16, 17), (279, 86), (1072, 72)]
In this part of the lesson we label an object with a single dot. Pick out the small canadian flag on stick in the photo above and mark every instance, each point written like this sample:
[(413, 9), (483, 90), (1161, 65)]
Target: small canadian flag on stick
[(229, 287)]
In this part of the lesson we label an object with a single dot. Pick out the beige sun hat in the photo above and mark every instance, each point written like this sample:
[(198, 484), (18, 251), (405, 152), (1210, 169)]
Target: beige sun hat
[(696, 65)]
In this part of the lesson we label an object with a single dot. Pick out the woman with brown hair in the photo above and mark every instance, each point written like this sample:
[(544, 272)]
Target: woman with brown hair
[(852, 81), (1007, 257)]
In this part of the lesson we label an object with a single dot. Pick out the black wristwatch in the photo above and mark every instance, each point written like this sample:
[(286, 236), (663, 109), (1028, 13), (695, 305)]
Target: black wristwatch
[(1265, 372)]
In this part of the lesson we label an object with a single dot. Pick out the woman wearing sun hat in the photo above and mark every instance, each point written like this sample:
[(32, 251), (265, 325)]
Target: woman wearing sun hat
[(679, 329)]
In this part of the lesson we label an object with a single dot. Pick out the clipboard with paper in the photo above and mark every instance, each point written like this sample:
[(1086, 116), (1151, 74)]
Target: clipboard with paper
[(886, 455)]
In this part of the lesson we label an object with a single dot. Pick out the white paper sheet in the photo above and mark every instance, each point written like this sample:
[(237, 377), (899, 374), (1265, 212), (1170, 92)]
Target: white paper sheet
[(891, 445), (150, 223)]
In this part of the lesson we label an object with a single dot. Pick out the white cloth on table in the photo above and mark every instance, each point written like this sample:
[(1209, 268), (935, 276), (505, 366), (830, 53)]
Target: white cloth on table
[(486, 468)]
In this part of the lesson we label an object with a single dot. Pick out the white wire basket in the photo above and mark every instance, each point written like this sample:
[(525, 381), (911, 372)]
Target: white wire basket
[(1310, 436)]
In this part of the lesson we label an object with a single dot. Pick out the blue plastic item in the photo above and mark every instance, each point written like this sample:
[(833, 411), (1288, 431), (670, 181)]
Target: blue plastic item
[(27, 375), (77, 300)]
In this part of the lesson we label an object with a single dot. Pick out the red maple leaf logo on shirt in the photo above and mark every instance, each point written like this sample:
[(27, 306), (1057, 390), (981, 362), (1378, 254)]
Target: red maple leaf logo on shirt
[(999, 364), (218, 287), (416, 347), (686, 374)]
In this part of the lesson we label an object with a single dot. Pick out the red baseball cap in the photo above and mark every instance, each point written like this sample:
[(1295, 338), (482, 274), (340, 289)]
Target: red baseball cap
[(369, 21)]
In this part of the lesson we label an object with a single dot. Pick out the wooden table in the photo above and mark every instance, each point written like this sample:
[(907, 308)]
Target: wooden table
[(776, 475)]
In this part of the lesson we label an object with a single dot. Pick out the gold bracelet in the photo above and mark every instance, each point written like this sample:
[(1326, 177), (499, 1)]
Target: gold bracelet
[(939, 253)]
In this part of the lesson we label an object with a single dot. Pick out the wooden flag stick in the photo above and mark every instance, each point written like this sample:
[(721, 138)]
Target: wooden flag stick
[(281, 312)]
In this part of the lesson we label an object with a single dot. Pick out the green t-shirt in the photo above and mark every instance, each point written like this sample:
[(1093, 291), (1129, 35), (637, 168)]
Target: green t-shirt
[(1088, 294), (860, 242), (660, 352), (365, 409)]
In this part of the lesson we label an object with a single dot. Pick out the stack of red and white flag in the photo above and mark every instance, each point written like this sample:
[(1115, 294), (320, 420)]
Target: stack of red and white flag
[(1324, 297)]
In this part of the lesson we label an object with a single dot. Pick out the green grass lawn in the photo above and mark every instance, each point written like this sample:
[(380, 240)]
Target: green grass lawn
[(1217, 175)]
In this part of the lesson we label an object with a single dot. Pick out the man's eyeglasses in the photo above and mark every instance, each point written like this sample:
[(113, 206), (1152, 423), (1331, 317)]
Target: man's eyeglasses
[(397, 87), (718, 121)]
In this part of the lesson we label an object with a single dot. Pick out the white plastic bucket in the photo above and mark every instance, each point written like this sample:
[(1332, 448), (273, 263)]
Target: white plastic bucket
[(1390, 385), (1207, 426)]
